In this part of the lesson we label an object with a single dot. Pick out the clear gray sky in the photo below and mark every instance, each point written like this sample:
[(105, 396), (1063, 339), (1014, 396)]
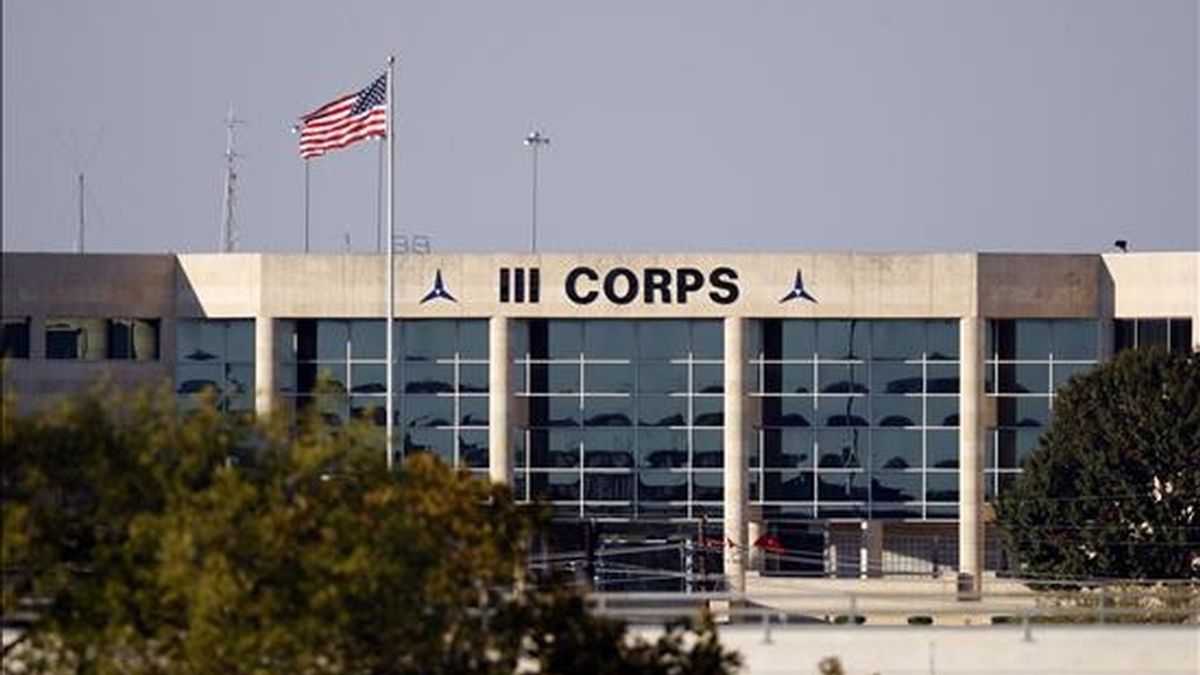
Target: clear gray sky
[(870, 125)]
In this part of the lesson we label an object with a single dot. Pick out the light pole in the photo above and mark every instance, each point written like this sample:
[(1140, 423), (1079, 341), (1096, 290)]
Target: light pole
[(534, 140)]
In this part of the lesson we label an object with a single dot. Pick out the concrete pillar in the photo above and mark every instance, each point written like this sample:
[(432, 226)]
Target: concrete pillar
[(264, 365), (970, 457), (871, 554), (499, 396), (735, 456), (755, 529)]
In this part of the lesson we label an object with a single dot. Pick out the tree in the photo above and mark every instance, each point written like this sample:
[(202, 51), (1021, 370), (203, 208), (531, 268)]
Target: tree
[(1113, 489), (146, 541)]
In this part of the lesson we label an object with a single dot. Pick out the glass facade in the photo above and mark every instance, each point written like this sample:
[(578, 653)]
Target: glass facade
[(216, 355), (99, 339), (339, 368), (1027, 360), (1173, 334), (620, 419), (858, 418)]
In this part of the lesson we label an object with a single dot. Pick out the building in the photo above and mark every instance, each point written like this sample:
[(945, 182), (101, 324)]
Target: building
[(860, 409)]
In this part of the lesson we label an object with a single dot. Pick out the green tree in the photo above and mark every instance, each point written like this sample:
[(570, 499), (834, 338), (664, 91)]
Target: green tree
[(1113, 490), (145, 541)]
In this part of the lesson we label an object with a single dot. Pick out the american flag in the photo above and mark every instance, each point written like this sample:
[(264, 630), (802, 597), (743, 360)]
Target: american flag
[(345, 120)]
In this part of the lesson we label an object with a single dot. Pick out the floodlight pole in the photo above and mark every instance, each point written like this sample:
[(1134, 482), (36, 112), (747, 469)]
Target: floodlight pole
[(534, 140)]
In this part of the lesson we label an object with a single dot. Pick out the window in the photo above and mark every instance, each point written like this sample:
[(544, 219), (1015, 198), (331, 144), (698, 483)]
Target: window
[(14, 342), (96, 339), (1171, 334), (215, 358)]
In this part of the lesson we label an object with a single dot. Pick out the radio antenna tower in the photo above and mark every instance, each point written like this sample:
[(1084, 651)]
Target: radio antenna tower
[(79, 233), (228, 231)]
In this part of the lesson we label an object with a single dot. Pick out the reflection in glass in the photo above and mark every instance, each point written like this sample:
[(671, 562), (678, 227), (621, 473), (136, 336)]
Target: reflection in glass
[(896, 449), (892, 486)]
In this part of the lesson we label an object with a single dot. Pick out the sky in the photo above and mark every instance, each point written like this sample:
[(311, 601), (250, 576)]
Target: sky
[(675, 126)]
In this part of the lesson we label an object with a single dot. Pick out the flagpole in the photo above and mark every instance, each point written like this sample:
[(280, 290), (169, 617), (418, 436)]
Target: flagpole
[(391, 250), (306, 166)]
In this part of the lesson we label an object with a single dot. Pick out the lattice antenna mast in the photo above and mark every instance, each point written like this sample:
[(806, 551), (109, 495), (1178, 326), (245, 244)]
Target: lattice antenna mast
[(228, 228)]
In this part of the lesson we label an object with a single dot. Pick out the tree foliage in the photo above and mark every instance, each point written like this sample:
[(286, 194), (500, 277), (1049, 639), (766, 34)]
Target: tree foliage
[(1113, 490), (145, 541)]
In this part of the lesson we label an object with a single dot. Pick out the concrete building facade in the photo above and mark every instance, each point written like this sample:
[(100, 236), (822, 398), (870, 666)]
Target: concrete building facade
[(820, 413)]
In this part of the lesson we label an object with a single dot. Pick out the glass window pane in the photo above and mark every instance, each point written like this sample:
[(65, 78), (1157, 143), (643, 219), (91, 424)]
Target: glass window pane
[(563, 378), (76, 339), (608, 487), (473, 378), (707, 339), (1075, 340), (1065, 371), (796, 378), (662, 448), (841, 448), (427, 378), (842, 411), (1152, 333), (662, 377), (239, 379), (891, 486), (438, 442), (842, 378), (662, 411), (941, 449), (841, 486), (554, 486), (332, 338), (199, 340), (559, 412), (608, 411), (564, 339), (195, 378), (473, 338), (368, 378), (787, 411), (708, 411), (838, 339), (331, 377), (896, 411), (942, 487), (239, 340), (708, 378), (941, 411), (788, 486), (896, 449), (427, 411), (663, 339), (554, 448), (1124, 334), (662, 486), (608, 448), (708, 448), (897, 340), (428, 340), (941, 379), (1021, 378), (371, 409), (799, 339), (789, 448), (473, 411), (604, 339), (1180, 335), (942, 340), (1032, 339), (896, 378), (605, 378), (473, 449), (368, 339), (708, 486)]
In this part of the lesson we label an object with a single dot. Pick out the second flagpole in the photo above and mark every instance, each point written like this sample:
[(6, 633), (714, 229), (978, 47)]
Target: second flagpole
[(391, 273)]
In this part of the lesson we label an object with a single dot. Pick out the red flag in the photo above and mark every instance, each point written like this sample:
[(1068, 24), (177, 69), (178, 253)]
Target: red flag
[(769, 543)]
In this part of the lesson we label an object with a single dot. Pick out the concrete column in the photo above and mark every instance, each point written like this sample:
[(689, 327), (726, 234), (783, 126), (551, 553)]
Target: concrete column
[(755, 528), (970, 457), (735, 456), (499, 396), (871, 554), (264, 365)]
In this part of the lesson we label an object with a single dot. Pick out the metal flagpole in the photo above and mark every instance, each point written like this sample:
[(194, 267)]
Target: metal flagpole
[(391, 250), (306, 165)]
